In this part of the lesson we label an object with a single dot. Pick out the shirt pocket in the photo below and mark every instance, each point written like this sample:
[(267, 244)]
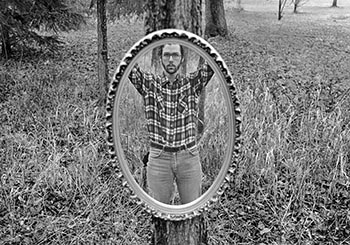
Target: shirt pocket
[(155, 152), (159, 104), (182, 105)]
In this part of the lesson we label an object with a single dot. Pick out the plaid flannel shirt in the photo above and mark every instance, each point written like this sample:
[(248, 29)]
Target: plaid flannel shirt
[(171, 109)]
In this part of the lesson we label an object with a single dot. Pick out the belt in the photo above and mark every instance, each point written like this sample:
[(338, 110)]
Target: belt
[(172, 149)]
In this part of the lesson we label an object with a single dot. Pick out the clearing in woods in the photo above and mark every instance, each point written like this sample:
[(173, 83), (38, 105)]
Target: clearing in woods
[(292, 186)]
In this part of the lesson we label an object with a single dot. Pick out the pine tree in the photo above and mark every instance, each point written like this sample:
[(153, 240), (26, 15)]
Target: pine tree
[(20, 21)]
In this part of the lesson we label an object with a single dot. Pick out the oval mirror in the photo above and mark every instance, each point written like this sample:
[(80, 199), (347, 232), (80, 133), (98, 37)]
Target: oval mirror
[(173, 124)]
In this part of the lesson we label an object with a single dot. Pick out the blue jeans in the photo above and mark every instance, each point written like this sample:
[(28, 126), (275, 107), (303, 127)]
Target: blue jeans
[(184, 167)]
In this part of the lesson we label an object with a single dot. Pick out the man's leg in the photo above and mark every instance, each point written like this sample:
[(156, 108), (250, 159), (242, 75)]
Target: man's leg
[(189, 175), (160, 177)]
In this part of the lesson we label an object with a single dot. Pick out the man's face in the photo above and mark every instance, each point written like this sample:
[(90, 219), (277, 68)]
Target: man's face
[(171, 58)]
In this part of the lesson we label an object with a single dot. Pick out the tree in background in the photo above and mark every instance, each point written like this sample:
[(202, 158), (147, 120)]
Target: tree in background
[(20, 21), (281, 5), (334, 4), (297, 4), (185, 15), (215, 18), (102, 47)]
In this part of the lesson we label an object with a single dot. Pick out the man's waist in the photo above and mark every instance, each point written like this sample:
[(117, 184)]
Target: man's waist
[(171, 148)]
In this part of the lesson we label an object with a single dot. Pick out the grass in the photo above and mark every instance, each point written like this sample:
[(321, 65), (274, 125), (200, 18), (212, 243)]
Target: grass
[(292, 184)]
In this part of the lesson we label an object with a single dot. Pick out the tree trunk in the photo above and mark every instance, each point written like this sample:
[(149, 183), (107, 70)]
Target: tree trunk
[(102, 50), (279, 9), (185, 15), (334, 4), (188, 232), (5, 43), (281, 5), (296, 3), (215, 18)]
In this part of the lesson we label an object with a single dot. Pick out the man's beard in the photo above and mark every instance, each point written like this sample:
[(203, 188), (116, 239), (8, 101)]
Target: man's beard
[(171, 68)]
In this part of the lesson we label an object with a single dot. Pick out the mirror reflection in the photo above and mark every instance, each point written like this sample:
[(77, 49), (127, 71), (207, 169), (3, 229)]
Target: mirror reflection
[(173, 123)]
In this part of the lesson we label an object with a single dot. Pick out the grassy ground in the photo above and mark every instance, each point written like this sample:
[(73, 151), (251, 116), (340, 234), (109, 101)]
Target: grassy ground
[(292, 186)]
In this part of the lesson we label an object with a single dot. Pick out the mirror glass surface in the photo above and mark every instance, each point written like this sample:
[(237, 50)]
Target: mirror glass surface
[(212, 141)]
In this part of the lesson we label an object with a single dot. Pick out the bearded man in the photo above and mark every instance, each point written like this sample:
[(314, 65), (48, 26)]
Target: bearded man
[(171, 110)]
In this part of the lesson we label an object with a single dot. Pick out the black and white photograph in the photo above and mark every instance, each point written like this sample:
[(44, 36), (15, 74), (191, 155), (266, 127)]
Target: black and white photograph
[(175, 122)]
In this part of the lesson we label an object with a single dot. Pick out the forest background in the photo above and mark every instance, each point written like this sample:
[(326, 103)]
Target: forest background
[(292, 184)]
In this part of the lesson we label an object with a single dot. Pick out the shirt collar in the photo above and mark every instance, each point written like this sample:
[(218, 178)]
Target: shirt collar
[(165, 80)]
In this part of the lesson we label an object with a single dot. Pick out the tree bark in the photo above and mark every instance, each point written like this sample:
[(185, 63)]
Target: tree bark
[(102, 50), (279, 9), (281, 5), (215, 18), (296, 4), (188, 232), (5, 43), (185, 15), (334, 4)]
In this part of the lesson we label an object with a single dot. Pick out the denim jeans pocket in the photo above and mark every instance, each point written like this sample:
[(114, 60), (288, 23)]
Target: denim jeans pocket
[(155, 152), (193, 150)]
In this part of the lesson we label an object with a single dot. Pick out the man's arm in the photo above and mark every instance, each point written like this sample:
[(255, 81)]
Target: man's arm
[(138, 79), (201, 77)]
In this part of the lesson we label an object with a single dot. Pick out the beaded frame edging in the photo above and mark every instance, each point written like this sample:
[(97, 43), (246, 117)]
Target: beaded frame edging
[(110, 103)]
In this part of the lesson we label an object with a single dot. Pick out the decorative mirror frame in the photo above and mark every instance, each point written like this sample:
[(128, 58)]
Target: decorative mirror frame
[(229, 166)]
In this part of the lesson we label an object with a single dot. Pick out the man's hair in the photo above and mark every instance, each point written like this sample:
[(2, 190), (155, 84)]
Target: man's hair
[(182, 50)]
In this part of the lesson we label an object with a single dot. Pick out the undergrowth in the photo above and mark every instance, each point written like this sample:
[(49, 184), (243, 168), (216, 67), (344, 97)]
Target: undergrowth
[(292, 182)]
